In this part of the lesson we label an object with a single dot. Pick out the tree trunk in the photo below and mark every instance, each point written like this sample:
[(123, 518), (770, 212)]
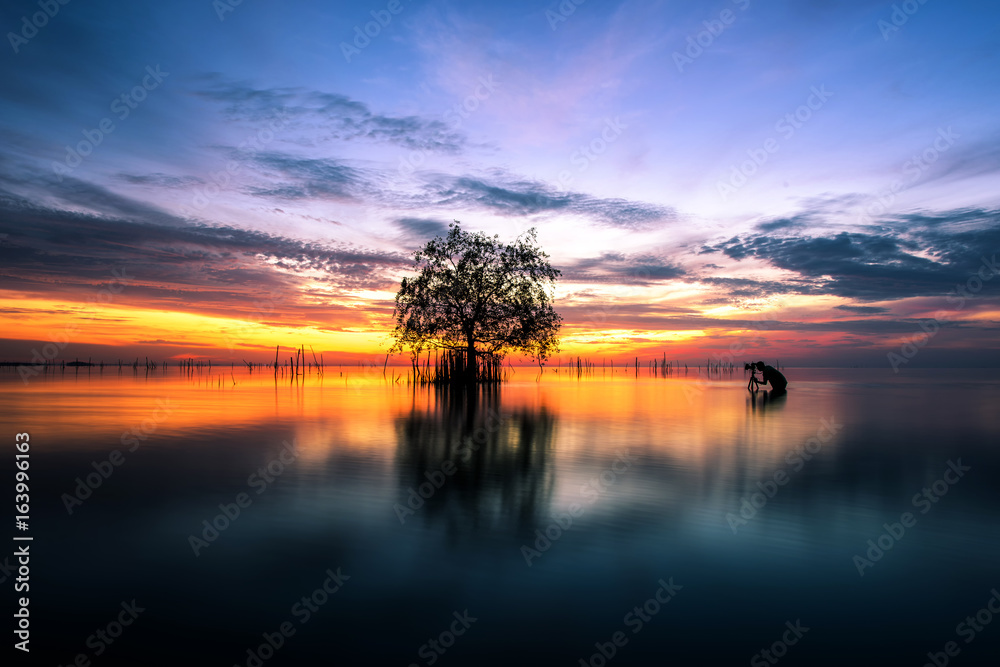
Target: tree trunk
[(471, 367)]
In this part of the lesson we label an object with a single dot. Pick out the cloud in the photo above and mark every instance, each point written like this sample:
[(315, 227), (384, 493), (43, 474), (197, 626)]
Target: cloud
[(21, 183), (781, 224), (162, 180), (290, 177), (863, 310), (512, 196), (656, 317), (334, 115), (621, 269), (748, 288), (923, 254), (306, 178), (180, 265), (421, 229), (966, 161)]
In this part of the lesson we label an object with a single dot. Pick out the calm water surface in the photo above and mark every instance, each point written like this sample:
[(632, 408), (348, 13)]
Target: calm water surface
[(547, 511)]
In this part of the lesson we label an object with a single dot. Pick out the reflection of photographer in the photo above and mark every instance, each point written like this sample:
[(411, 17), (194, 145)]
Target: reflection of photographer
[(769, 375)]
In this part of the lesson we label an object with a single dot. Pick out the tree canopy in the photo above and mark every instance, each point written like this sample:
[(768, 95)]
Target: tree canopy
[(478, 296)]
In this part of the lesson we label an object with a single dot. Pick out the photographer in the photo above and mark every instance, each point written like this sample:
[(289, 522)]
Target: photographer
[(771, 375)]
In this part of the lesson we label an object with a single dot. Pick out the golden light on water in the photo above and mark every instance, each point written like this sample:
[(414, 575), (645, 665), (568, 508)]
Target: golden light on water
[(357, 409)]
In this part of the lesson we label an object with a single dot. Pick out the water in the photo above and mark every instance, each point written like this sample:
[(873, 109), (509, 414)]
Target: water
[(646, 476)]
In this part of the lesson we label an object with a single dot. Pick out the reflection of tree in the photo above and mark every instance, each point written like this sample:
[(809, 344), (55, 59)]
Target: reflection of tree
[(501, 478)]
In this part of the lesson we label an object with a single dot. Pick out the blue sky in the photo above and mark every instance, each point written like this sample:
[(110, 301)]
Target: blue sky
[(620, 130)]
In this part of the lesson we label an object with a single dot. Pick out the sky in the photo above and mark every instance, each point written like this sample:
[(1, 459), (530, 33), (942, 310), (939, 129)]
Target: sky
[(811, 181)]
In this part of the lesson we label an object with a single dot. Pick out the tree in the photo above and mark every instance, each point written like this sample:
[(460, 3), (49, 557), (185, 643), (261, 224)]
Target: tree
[(477, 296)]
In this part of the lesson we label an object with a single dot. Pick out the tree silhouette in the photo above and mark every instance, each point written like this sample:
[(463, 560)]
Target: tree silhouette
[(479, 297)]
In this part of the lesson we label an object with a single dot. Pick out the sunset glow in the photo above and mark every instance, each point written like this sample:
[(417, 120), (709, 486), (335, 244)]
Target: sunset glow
[(535, 332), (268, 191)]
